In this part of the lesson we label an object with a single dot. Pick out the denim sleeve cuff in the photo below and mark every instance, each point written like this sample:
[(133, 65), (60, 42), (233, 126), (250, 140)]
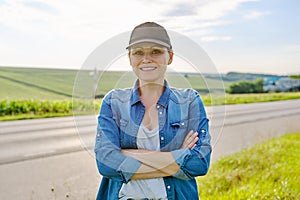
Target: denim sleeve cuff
[(180, 156), (181, 175), (128, 167)]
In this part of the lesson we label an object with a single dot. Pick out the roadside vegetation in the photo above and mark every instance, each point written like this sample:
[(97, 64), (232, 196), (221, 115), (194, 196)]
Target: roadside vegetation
[(269, 170), (33, 108), (242, 87), (295, 76), (30, 109), (248, 98)]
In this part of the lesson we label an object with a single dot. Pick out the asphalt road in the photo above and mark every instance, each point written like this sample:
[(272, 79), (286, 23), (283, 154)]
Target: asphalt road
[(53, 158)]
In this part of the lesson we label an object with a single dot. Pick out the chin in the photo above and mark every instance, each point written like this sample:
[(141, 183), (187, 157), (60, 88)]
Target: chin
[(151, 79)]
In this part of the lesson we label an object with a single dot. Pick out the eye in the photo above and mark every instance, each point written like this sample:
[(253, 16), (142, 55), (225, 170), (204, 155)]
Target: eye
[(157, 51), (137, 52)]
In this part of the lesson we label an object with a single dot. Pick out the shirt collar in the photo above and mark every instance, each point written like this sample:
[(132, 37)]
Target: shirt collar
[(163, 100), (135, 94)]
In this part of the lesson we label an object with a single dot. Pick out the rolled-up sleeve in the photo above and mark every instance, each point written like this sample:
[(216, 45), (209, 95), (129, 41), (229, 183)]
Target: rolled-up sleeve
[(195, 162), (110, 161)]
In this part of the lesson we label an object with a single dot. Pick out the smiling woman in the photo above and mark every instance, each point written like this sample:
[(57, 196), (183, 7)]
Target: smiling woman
[(147, 143), (149, 61)]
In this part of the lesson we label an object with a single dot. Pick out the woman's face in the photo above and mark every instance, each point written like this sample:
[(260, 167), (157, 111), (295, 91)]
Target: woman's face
[(149, 61)]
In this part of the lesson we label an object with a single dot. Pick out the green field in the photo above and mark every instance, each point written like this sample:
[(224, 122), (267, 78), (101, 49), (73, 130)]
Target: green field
[(37, 93), (30, 83), (267, 171), (27, 93), (53, 84)]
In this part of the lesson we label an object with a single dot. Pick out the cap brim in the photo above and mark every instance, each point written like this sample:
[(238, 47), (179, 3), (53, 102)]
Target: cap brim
[(151, 41)]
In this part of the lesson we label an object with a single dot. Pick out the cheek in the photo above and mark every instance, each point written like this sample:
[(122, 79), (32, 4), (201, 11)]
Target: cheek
[(132, 62), (165, 60), (134, 68)]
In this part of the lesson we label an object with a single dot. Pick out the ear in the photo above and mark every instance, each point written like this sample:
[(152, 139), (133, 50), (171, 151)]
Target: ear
[(129, 58), (171, 54)]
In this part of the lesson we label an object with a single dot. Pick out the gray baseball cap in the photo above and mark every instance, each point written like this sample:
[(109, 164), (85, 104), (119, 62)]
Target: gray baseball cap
[(150, 32)]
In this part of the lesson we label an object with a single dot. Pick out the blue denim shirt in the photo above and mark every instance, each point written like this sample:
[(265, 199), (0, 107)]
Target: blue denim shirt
[(179, 111)]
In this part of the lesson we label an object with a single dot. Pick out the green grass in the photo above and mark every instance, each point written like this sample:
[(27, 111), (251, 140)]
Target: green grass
[(33, 108), (267, 171), (30, 109), (15, 90), (56, 83), (210, 100)]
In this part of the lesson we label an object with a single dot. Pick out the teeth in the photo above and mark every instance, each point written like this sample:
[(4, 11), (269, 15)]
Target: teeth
[(148, 68)]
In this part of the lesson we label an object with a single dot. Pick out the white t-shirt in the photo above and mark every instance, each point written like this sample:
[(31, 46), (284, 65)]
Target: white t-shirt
[(146, 188)]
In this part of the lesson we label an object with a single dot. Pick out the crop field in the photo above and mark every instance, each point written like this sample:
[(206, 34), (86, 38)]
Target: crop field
[(53, 84), (27, 93)]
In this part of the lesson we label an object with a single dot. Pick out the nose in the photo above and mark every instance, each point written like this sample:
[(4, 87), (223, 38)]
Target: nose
[(146, 58)]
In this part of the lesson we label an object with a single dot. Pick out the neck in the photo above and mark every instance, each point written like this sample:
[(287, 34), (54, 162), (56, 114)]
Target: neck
[(151, 90)]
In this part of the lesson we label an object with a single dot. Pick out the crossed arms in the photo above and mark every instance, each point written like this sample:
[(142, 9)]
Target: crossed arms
[(157, 164)]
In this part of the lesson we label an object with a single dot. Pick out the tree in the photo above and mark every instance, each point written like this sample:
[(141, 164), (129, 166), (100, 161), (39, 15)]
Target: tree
[(241, 87)]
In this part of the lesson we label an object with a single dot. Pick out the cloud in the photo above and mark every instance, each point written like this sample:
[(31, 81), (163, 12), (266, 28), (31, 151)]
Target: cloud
[(25, 16), (256, 14), (182, 9), (204, 10), (292, 48), (65, 32), (215, 38), (75, 18), (193, 17), (50, 32), (41, 6)]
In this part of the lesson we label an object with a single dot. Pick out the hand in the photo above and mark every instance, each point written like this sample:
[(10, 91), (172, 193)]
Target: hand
[(190, 140)]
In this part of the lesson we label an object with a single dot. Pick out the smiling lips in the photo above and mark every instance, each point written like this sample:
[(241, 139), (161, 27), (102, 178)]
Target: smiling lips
[(148, 68)]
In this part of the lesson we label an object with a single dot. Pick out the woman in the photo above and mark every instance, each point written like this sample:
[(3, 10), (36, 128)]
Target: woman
[(152, 140)]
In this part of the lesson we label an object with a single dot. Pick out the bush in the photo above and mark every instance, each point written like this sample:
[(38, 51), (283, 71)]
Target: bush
[(40, 107), (246, 87)]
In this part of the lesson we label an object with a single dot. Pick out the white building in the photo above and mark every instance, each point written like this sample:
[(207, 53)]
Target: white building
[(283, 84)]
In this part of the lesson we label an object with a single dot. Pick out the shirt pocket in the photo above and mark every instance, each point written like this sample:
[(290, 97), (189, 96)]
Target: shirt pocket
[(178, 132)]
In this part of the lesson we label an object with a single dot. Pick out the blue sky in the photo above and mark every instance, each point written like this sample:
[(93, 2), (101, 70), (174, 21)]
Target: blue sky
[(259, 36)]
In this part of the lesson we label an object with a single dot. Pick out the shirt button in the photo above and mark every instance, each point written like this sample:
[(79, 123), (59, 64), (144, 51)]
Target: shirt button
[(182, 123), (160, 113), (169, 187), (162, 138), (157, 106)]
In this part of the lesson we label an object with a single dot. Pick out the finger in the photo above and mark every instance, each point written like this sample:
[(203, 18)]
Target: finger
[(187, 139), (189, 134), (193, 147), (192, 144), (192, 137)]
